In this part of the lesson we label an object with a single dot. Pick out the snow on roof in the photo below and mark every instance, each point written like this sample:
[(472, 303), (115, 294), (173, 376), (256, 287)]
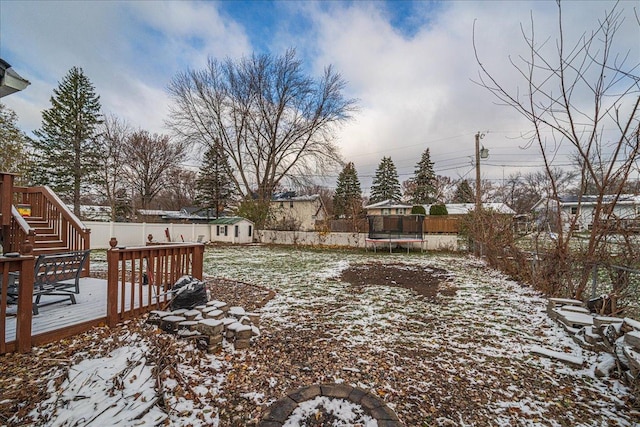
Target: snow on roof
[(465, 208), (289, 198), (389, 203), (228, 220)]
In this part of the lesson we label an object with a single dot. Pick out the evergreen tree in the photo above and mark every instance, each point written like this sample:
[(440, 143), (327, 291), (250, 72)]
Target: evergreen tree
[(67, 145), (347, 200), (385, 184), (464, 193), (214, 185), (423, 189), (13, 144)]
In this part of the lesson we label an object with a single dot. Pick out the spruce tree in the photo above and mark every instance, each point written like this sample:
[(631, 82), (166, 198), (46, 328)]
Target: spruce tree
[(214, 185), (347, 200), (464, 193), (13, 144), (424, 190), (385, 183), (66, 146)]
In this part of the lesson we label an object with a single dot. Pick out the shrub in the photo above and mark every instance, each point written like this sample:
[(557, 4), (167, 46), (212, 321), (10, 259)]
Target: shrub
[(418, 210), (438, 209)]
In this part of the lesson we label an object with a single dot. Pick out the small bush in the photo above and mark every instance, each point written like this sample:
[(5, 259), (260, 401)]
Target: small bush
[(438, 209), (418, 210)]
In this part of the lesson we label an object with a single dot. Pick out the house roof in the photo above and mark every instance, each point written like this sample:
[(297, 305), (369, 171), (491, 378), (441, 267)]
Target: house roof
[(589, 200), (389, 203), (288, 197), (228, 220), (452, 208)]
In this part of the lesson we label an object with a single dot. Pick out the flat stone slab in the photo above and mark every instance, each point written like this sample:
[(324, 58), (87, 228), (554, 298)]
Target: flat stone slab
[(558, 355), (279, 411), (565, 301), (574, 319)]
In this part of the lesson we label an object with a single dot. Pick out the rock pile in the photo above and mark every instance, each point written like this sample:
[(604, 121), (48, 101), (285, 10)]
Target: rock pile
[(211, 324), (616, 339)]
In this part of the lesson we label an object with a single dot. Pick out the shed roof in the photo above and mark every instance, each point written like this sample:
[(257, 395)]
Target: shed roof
[(228, 220)]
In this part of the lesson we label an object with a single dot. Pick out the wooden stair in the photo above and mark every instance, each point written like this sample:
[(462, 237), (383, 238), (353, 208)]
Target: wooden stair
[(47, 241)]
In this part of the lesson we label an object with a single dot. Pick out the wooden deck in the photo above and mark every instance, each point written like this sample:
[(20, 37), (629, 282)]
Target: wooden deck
[(91, 306)]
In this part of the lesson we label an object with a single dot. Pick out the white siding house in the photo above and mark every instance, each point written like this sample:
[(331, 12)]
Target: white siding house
[(626, 208), (232, 229)]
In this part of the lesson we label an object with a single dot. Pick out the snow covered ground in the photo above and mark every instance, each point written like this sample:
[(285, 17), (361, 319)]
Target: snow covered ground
[(462, 358)]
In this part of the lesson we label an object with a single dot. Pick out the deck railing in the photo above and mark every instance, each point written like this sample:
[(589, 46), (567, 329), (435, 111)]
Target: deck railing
[(24, 265), (54, 215), (139, 278), (20, 237), (138, 281)]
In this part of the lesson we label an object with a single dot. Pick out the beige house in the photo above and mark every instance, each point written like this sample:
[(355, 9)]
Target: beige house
[(296, 213)]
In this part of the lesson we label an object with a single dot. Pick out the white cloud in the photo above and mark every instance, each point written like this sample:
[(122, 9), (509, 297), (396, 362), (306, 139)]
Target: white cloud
[(414, 87)]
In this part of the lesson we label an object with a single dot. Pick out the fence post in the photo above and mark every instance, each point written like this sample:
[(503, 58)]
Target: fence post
[(25, 303), (112, 283), (197, 262)]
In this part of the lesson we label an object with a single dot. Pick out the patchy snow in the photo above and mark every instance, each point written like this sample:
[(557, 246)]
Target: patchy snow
[(463, 358), (113, 390), (346, 412)]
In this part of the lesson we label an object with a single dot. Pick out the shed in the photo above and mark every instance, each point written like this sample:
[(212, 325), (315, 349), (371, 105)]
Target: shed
[(232, 229)]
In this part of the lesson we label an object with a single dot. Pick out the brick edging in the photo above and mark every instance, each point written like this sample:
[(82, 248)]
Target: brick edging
[(280, 410)]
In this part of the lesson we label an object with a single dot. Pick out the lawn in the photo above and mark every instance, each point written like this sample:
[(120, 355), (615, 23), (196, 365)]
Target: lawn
[(441, 338)]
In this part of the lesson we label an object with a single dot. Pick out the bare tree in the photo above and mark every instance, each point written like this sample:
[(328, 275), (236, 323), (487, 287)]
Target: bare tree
[(585, 97), (150, 161), (111, 173), (274, 122)]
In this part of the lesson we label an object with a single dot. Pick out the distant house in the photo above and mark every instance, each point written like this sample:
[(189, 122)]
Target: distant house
[(233, 229), (389, 207), (298, 213), (626, 210), (392, 217)]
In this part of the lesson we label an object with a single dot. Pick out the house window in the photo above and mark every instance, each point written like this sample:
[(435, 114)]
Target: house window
[(400, 211), (291, 204), (236, 231), (217, 230), (574, 210), (282, 204), (224, 230), (250, 231), (386, 211)]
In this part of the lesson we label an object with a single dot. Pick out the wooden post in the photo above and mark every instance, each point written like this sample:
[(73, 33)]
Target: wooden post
[(25, 303), (198, 261), (112, 283)]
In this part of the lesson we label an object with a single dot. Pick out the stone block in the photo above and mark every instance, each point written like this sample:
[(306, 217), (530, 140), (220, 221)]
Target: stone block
[(305, 393), (370, 402), (170, 323), (336, 390), (191, 314), (601, 321), (384, 413), (241, 344), (632, 339), (210, 327), (215, 314), (357, 394)]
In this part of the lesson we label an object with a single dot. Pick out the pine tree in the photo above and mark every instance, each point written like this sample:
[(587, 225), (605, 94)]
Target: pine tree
[(67, 145), (423, 188), (347, 200), (464, 193), (385, 184), (214, 185), (13, 144)]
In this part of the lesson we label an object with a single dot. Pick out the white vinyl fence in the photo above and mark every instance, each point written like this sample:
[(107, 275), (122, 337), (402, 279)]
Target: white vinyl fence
[(136, 234)]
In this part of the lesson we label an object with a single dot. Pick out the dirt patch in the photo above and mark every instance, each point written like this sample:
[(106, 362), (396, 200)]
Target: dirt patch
[(428, 282)]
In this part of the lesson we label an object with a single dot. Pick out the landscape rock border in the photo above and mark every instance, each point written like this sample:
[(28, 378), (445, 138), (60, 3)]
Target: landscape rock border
[(279, 411)]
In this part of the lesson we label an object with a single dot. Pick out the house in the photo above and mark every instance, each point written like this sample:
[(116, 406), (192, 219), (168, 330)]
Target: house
[(389, 207), (232, 229), (296, 213), (626, 209), (397, 218)]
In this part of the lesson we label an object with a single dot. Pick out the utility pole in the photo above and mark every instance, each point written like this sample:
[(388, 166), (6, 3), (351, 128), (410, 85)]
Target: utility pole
[(480, 153)]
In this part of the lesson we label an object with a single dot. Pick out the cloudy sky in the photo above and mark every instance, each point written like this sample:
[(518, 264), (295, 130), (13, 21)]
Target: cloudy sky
[(410, 64)]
